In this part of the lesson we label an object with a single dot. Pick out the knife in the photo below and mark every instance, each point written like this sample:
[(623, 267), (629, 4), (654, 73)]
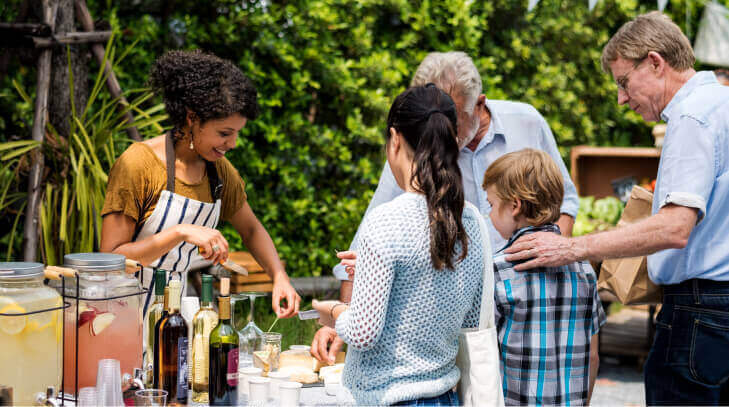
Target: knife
[(229, 265)]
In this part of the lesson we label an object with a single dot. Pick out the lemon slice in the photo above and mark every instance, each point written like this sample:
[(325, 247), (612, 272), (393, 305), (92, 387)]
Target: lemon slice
[(12, 325)]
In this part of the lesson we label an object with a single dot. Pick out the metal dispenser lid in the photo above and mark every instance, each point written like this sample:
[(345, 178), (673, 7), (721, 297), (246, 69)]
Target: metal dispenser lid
[(94, 261), (16, 269)]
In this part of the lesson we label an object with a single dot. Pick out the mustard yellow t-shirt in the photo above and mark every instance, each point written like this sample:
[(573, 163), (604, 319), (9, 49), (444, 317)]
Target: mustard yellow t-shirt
[(138, 177)]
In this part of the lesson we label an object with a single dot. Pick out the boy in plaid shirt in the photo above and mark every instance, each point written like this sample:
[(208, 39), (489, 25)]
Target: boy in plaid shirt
[(547, 318)]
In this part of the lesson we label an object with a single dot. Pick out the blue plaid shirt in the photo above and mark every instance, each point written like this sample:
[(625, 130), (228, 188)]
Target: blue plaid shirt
[(545, 319)]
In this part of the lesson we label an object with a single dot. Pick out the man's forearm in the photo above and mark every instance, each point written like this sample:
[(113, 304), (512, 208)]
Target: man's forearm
[(565, 223), (668, 229), (345, 291)]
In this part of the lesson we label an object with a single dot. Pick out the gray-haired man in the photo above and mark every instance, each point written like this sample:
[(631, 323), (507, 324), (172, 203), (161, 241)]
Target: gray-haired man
[(487, 129)]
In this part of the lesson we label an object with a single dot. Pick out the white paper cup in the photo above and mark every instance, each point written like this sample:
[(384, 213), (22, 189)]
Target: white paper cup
[(276, 379), (243, 375), (290, 393), (258, 387)]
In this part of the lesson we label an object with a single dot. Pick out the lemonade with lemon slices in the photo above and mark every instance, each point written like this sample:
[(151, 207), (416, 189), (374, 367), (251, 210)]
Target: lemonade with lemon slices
[(30, 345)]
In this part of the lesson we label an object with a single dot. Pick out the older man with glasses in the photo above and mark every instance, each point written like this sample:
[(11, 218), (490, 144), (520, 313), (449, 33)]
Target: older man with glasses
[(487, 129), (686, 237)]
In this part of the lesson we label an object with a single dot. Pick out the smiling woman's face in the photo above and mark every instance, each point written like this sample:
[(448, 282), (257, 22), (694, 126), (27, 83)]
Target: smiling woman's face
[(215, 137)]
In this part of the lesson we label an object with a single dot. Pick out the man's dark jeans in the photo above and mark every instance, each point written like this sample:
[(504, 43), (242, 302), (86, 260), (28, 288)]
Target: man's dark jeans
[(689, 360)]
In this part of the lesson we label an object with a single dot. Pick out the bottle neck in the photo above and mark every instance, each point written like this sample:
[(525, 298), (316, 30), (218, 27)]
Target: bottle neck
[(224, 309), (206, 305)]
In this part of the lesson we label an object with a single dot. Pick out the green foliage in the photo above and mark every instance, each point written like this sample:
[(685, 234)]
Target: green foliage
[(327, 71), (76, 168)]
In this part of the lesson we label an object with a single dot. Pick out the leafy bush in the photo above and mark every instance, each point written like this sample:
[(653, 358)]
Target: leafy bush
[(327, 70)]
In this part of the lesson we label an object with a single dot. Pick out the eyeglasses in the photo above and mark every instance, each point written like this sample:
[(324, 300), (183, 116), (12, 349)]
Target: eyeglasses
[(624, 79)]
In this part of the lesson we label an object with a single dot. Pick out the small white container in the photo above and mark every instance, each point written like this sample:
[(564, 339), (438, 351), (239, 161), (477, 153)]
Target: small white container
[(258, 387), (290, 393), (243, 375), (276, 379)]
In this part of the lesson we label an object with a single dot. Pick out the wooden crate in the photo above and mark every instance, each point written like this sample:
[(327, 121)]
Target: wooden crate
[(593, 168)]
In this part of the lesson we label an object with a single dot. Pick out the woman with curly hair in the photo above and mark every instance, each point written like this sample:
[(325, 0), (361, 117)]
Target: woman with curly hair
[(166, 195)]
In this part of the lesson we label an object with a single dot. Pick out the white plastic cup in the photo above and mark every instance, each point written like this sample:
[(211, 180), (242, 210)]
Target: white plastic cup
[(87, 397), (243, 375), (108, 383), (258, 387), (290, 393), (276, 379)]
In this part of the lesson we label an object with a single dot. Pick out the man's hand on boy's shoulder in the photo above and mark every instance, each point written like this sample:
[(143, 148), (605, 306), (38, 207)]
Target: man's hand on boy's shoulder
[(542, 249)]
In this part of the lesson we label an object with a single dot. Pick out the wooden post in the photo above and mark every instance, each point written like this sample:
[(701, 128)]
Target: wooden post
[(84, 17), (30, 232), (72, 38)]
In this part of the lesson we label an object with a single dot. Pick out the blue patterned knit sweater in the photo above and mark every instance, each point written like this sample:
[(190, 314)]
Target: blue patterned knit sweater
[(403, 322)]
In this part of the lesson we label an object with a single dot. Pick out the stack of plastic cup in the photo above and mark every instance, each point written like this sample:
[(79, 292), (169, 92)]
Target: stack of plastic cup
[(87, 397), (290, 392), (108, 383)]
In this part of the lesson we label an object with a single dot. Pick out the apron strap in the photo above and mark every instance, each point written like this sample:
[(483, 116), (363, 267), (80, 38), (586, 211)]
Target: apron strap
[(170, 158)]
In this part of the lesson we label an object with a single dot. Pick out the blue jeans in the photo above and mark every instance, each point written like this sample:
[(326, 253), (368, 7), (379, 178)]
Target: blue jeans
[(688, 363), (449, 398)]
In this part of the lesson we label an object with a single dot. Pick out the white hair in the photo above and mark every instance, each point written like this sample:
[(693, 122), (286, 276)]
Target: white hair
[(455, 73)]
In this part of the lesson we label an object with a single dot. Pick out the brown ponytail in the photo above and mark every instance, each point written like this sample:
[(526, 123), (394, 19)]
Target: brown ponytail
[(426, 117)]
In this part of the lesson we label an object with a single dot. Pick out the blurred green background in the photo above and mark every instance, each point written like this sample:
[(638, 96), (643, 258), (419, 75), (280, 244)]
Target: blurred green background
[(326, 73)]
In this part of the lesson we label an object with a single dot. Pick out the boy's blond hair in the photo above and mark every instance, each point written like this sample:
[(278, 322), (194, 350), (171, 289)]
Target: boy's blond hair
[(532, 177)]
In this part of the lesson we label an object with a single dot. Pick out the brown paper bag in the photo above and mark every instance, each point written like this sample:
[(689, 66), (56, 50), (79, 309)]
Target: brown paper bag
[(627, 278)]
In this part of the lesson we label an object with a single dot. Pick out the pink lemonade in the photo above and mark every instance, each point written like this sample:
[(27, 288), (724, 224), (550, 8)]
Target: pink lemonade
[(108, 329)]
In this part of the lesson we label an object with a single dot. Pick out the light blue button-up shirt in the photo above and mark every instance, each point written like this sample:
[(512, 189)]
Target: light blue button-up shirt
[(514, 126), (693, 173)]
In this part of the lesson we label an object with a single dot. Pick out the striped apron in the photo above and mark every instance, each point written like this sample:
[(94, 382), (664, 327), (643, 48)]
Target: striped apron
[(173, 209)]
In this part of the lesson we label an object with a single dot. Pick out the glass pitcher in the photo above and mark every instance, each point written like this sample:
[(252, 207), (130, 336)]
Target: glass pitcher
[(108, 315), (30, 342)]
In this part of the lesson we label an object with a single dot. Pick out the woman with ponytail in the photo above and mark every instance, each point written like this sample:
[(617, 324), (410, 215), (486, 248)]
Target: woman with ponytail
[(419, 268)]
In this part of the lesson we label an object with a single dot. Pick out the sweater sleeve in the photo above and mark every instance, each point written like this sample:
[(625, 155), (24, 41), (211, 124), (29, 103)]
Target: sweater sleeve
[(362, 324)]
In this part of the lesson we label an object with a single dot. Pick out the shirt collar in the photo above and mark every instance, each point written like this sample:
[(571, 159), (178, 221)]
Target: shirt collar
[(699, 79), (549, 227), (496, 128)]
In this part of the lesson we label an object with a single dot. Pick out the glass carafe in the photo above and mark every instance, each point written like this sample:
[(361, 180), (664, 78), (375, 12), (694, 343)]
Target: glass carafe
[(250, 335), (30, 344), (108, 314)]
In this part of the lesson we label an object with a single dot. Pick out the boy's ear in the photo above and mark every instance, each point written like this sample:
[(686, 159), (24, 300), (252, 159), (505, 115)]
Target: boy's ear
[(516, 207)]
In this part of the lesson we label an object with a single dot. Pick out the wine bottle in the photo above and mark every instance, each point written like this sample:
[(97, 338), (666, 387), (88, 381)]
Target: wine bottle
[(202, 324), (157, 327), (154, 314), (223, 372), (173, 350)]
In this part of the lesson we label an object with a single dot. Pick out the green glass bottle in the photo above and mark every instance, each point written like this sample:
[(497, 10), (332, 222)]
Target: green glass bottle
[(154, 314), (203, 323), (223, 353)]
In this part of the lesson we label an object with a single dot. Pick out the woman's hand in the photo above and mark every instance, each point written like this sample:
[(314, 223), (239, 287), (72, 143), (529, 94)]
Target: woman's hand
[(211, 243), (326, 345), (329, 311), (283, 290), (349, 258)]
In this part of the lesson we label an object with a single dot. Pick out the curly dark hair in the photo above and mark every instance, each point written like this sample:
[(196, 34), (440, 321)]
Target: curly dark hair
[(209, 86)]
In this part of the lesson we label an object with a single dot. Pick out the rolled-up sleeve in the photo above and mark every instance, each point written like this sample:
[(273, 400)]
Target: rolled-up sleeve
[(688, 167), (570, 202)]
